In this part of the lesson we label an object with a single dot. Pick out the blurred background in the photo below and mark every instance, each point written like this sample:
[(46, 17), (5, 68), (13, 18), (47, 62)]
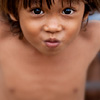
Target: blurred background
[(93, 77)]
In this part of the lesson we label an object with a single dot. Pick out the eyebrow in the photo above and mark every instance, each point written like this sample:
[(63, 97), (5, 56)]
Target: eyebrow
[(70, 2), (28, 3)]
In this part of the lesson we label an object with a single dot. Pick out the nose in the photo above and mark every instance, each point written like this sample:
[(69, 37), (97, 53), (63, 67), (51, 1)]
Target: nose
[(53, 26)]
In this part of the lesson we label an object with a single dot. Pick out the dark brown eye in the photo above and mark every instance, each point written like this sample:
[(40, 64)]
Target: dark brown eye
[(37, 11), (68, 11)]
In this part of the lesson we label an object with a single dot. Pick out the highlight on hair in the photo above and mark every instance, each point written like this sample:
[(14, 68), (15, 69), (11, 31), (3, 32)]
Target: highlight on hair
[(12, 6)]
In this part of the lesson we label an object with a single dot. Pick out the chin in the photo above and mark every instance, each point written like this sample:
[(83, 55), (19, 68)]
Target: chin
[(51, 52)]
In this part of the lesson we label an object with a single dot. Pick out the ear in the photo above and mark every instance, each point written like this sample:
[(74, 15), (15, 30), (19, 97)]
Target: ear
[(12, 17), (86, 16)]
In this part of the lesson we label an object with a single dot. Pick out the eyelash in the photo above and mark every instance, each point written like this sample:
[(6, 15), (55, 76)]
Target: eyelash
[(69, 11), (40, 11)]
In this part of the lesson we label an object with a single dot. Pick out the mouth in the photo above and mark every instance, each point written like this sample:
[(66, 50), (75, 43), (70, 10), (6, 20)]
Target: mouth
[(52, 43)]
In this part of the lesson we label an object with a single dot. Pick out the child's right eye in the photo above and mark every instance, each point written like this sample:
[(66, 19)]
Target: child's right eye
[(37, 11)]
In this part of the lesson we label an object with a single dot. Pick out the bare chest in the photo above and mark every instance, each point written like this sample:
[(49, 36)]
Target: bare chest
[(27, 77), (42, 79), (32, 82)]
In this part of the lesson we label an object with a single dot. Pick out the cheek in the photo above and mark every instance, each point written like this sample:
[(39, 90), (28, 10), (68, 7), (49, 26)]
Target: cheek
[(31, 32), (72, 30), (30, 28)]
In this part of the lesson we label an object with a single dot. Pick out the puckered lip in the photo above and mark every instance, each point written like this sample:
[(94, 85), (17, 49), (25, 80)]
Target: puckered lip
[(52, 42)]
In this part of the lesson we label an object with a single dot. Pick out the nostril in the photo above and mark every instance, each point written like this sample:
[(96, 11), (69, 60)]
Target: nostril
[(53, 28), (45, 28), (60, 28)]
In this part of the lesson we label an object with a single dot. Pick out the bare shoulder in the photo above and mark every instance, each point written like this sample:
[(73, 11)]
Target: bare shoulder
[(91, 35), (92, 32), (94, 25)]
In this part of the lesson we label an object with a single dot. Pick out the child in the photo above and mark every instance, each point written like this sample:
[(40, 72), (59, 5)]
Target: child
[(46, 48)]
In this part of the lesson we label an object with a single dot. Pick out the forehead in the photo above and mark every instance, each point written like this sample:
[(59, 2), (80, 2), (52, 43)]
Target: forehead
[(50, 1), (28, 3)]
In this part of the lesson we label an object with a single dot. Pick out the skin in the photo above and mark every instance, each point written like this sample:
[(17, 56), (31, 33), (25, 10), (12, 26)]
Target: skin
[(60, 26), (31, 70)]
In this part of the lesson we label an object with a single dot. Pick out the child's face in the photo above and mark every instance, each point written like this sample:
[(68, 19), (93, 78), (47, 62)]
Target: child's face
[(50, 30)]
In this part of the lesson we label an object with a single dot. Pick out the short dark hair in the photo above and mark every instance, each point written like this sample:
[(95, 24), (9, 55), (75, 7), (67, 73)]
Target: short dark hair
[(11, 6)]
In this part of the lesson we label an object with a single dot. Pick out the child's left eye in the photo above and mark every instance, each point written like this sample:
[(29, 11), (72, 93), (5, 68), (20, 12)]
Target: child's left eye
[(68, 11), (37, 11)]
